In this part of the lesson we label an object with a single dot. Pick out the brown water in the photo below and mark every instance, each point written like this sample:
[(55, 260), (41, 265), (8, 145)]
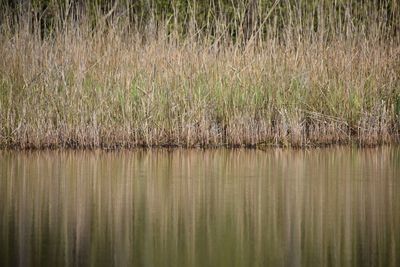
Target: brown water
[(334, 207)]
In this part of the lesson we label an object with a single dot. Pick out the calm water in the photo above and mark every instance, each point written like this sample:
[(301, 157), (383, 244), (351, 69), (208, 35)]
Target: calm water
[(335, 207)]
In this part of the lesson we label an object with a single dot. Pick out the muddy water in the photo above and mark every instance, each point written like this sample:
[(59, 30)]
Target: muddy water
[(335, 207)]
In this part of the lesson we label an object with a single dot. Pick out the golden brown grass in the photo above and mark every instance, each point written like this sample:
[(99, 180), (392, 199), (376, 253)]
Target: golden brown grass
[(115, 86)]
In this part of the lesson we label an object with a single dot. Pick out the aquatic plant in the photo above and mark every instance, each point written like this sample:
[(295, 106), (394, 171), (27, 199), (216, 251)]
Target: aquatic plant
[(285, 74)]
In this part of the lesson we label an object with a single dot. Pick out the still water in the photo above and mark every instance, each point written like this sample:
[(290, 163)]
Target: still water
[(322, 207)]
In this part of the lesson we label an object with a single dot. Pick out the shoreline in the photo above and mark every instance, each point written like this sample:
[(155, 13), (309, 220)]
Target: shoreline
[(353, 143)]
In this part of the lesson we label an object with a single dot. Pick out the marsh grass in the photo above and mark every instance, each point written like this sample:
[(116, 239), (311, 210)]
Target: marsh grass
[(296, 80)]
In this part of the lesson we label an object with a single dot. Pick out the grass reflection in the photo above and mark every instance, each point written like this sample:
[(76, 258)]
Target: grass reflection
[(200, 208)]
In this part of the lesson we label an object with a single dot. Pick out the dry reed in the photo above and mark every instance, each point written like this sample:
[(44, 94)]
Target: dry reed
[(311, 81)]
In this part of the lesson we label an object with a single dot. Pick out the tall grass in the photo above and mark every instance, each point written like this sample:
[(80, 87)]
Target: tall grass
[(291, 74)]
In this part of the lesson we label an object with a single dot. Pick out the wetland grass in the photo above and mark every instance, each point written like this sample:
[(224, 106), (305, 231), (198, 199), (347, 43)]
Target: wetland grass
[(318, 74)]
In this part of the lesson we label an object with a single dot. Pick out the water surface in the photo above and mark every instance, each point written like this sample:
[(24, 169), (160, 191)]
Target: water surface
[(322, 207)]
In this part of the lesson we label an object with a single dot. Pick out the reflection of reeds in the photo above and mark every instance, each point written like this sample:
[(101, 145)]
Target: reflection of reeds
[(189, 207), (327, 73)]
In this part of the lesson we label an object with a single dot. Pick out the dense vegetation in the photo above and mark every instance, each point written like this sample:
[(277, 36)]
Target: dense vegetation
[(199, 73)]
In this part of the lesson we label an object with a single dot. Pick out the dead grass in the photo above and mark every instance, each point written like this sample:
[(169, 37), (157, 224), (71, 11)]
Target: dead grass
[(114, 86)]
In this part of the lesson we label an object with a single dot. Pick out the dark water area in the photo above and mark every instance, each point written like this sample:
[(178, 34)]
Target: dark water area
[(319, 207)]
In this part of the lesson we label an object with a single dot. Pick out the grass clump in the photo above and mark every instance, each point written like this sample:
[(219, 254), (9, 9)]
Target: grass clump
[(252, 74)]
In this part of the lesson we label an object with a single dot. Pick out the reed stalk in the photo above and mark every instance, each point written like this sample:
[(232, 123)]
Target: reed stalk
[(256, 73)]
